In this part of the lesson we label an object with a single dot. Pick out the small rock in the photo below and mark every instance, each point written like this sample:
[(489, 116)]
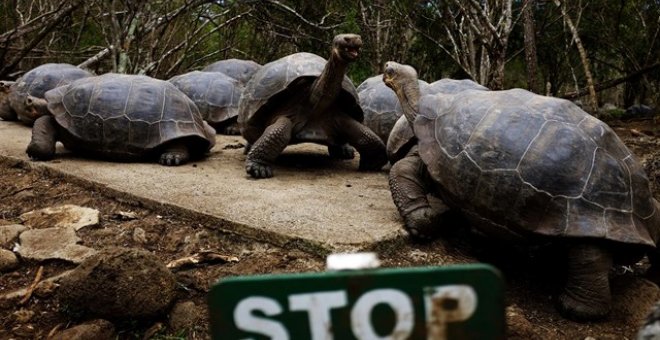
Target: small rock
[(52, 243), (183, 316), (125, 216), (64, 216), (139, 235), (119, 284), (45, 289), (9, 233), (8, 260), (92, 330)]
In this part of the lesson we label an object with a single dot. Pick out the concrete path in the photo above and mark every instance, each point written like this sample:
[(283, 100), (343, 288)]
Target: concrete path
[(314, 203)]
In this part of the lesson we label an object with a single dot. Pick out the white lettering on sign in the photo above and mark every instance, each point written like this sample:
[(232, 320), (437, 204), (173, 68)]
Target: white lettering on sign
[(247, 321), (445, 304), (397, 300), (318, 306)]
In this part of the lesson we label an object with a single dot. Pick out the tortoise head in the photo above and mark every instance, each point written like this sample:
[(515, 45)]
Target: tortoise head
[(35, 107), (5, 85), (403, 80), (347, 46), (398, 76)]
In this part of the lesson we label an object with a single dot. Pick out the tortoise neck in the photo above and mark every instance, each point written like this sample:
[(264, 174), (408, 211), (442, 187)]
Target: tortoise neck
[(328, 85), (408, 95)]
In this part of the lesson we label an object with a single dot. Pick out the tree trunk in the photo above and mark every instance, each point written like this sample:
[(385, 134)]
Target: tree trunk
[(593, 99), (530, 46)]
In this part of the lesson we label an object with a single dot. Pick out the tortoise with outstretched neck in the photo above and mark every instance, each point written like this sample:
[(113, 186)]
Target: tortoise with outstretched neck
[(530, 168), (304, 98), (216, 96), (121, 117), (36, 82), (239, 69)]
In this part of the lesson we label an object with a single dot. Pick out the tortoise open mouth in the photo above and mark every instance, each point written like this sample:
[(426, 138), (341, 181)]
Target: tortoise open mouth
[(352, 52)]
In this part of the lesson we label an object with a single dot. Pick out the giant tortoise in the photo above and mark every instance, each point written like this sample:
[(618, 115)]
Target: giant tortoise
[(121, 117), (521, 166), (36, 82), (239, 69), (216, 96), (304, 98)]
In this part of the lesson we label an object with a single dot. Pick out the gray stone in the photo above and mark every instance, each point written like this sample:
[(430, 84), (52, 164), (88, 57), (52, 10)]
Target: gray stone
[(183, 316), (9, 233), (52, 243), (93, 330), (64, 216), (119, 284), (8, 260)]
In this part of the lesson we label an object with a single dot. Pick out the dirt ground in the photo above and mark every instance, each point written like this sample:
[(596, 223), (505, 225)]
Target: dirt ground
[(531, 279)]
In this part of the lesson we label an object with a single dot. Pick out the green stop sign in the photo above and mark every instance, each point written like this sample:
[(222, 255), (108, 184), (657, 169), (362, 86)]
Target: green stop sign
[(453, 302)]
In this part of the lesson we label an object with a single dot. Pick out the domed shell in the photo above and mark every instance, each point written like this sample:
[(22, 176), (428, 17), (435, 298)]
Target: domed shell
[(239, 69), (39, 80), (215, 94), (521, 163), (127, 115), (399, 140), (380, 105), (284, 78)]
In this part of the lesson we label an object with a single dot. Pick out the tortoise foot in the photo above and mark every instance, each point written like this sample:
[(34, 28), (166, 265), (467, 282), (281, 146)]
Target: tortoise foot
[(258, 170), (578, 309), (38, 152), (173, 158), (231, 130), (343, 151), (423, 224), (372, 163)]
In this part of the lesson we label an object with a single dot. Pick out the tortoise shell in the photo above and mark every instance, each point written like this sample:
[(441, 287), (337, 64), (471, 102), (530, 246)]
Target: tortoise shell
[(282, 79), (39, 80), (239, 69), (215, 94), (400, 138), (521, 163), (125, 116)]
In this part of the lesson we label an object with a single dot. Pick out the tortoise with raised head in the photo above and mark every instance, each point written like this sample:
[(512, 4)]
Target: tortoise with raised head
[(36, 82), (305, 98), (531, 168), (239, 69), (216, 96), (121, 117)]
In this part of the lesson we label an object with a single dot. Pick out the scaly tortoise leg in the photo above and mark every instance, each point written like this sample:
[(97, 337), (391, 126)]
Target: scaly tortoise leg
[(266, 149), (587, 294), (409, 185), (44, 137), (366, 142), (343, 151)]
